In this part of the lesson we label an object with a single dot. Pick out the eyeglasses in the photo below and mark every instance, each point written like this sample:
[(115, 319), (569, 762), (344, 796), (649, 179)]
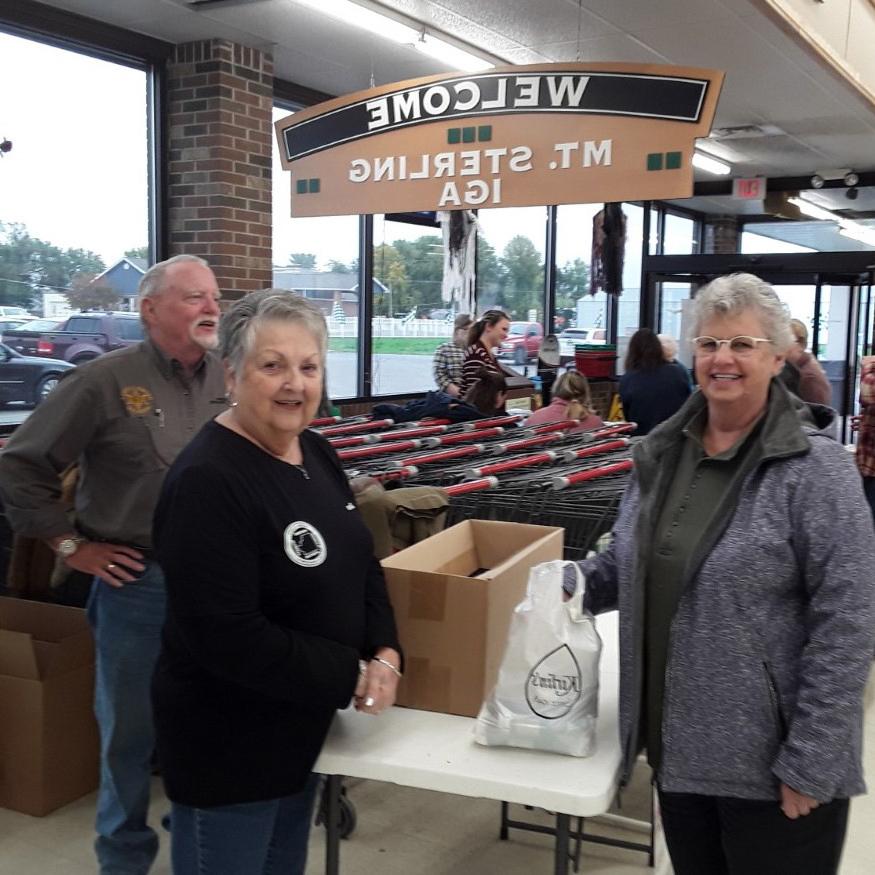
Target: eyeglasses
[(741, 346)]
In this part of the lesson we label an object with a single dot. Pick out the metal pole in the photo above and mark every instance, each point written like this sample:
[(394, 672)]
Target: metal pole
[(332, 824)]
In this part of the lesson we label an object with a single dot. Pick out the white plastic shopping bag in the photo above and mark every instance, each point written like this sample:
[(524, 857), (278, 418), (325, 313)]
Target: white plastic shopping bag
[(546, 697)]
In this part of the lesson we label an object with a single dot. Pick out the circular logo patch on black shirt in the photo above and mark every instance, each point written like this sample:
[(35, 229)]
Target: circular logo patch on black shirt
[(304, 544)]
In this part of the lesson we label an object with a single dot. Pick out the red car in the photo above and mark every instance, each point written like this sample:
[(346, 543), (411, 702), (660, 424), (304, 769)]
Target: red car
[(522, 343)]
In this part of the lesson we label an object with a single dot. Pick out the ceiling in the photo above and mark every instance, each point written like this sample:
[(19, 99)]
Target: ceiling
[(803, 116)]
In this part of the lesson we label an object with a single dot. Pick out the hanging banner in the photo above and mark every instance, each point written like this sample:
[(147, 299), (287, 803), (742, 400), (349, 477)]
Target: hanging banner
[(515, 136)]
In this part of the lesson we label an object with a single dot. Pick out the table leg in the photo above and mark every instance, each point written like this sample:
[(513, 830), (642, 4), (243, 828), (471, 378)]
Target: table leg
[(561, 852), (332, 824), (502, 835)]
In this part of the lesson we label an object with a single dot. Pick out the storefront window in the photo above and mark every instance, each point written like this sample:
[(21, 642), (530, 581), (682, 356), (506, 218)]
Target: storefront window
[(679, 237), (510, 262), (318, 259), (575, 307), (74, 203), (410, 318)]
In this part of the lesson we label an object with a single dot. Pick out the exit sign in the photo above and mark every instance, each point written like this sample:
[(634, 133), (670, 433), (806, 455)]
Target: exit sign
[(749, 189)]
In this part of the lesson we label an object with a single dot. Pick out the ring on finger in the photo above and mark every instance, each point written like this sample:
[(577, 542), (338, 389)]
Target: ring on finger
[(369, 702), (111, 566)]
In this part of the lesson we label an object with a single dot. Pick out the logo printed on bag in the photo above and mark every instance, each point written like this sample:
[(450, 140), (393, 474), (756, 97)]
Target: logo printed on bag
[(304, 544), (554, 685)]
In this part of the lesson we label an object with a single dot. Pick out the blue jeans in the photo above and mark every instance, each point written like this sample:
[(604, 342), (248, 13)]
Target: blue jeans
[(127, 626), (252, 838)]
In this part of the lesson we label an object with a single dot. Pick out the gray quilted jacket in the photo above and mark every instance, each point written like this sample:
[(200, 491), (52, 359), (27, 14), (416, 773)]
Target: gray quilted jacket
[(773, 637)]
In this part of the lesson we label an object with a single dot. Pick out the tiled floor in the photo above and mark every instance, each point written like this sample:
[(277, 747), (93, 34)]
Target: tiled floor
[(403, 832)]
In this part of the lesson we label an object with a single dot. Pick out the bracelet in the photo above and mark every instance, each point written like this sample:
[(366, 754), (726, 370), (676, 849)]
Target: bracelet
[(387, 664)]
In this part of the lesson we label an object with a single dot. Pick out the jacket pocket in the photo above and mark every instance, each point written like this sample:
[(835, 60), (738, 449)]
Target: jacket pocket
[(775, 699)]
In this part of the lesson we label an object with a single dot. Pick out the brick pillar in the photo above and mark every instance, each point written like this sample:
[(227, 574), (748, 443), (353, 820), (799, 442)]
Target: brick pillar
[(721, 235), (219, 168)]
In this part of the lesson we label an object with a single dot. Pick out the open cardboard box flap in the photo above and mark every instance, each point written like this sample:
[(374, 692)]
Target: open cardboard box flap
[(469, 546), (39, 640)]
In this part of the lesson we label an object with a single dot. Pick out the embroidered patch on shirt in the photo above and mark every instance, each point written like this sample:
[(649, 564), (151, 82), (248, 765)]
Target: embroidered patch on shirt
[(137, 400), (304, 544)]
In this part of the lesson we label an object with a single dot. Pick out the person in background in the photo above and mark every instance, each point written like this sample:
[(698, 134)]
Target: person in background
[(124, 417), (488, 393), (747, 606), (486, 397), (277, 611), (670, 351), (450, 356), (811, 383), (484, 335), (865, 426), (571, 399), (651, 389)]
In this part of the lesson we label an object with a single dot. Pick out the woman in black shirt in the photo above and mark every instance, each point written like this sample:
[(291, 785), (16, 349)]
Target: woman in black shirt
[(277, 609)]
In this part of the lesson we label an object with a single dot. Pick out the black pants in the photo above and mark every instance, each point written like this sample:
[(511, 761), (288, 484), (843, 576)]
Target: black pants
[(719, 835)]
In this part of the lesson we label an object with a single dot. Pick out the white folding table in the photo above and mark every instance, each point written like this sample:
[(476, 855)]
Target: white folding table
[(433, 751)]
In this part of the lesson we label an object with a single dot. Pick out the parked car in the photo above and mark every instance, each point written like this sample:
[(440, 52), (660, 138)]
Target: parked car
[(7, 323), (27, 378), (522, 343), (572, 336), (80, 338), (15, 313), (569, 338)]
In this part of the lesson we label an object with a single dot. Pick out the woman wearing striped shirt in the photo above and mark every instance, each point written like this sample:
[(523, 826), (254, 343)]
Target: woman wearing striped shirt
[(485, 334)]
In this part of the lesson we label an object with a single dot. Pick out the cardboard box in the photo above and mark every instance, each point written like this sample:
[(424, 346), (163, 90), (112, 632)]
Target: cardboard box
[(48, 736), (453, 596)]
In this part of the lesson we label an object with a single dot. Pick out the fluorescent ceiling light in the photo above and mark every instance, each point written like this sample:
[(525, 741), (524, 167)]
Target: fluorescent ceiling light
[(710, 165), (807, 208), (367, 19), (390, 27), (457, 58)]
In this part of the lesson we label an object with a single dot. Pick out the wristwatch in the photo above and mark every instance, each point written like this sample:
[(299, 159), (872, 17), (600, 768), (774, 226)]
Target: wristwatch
[(68, 547)]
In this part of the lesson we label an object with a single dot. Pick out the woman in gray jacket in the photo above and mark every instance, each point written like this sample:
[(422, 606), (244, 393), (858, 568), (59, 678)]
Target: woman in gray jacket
[(742, 564)]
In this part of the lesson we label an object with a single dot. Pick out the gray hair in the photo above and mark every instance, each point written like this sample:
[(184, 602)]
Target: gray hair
[(738, 293), (669, 345), (240, 324), (154, 278)]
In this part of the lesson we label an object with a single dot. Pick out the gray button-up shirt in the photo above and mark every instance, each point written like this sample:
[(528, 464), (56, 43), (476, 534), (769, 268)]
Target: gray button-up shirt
[(124, 417)]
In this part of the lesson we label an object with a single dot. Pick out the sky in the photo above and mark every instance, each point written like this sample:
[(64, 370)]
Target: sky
[(77, 172)]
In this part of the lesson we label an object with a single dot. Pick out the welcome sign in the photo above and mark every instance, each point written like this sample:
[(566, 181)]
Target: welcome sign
[(515, 136)]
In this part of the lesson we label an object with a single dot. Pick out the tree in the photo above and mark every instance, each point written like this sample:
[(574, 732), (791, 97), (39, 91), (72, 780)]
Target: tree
[(572, 282), (489, 291), (423, 261), (138, 252), (340, 267), (390, 270), (29, 265), (302, 260), (84, 294), (522, 277)]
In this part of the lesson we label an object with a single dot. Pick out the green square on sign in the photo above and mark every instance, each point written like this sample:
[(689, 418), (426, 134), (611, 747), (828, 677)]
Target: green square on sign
[(454, 135), (314, 186), (654, 161), (672, 160), (484, 133), (469, 135)]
